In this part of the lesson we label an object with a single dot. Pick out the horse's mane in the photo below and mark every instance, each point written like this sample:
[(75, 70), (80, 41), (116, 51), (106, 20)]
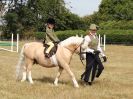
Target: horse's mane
[(72, 40)]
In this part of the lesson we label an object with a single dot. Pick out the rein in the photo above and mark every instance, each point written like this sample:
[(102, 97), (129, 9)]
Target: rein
[(78, 53), (80, 57)]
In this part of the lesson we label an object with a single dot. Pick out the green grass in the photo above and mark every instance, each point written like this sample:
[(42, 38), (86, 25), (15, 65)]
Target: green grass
[(6, 44), (116, 82)]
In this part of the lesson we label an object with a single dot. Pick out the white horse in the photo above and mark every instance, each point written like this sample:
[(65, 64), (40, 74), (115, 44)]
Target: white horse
[(34, 53)]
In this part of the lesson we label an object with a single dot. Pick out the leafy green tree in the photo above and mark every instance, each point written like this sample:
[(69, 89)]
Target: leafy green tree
[(116, 10), (113, 14), (33, 14)]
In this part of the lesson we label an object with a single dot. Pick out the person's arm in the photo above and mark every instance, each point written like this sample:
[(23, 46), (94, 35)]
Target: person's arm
[(86, 42), (51, 35), (89, 50)]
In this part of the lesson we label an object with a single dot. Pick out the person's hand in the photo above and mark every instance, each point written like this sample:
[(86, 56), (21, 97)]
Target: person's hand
[(96, 52), (82, 56), (104, 58)]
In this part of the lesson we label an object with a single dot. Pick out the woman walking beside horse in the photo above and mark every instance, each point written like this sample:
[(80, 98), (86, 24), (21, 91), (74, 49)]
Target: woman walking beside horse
[(93, 61)]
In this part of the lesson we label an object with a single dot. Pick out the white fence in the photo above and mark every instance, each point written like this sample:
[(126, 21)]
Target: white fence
[(102, 41), (12, 44)]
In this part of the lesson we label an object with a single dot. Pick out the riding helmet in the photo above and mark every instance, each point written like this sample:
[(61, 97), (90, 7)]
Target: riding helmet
[(51, 21)]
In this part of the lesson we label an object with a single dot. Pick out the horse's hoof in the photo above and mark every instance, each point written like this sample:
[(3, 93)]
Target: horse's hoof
[(22, 80), (76, 86), (55, 84), (31, 82)]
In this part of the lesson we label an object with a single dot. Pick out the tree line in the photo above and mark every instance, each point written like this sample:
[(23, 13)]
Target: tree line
[(28, 16)]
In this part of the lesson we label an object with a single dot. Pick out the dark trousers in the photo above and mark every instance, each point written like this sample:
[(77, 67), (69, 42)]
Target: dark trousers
[(94, 67)]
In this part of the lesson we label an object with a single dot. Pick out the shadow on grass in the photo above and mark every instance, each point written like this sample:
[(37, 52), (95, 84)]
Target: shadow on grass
[(44, 79), (82, 83), (49, 80)]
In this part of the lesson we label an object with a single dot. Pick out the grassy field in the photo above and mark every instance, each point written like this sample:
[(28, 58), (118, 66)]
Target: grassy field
[(116, 82)]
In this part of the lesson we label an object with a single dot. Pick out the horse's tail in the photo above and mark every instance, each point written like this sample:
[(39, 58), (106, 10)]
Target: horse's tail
[(19, 67)]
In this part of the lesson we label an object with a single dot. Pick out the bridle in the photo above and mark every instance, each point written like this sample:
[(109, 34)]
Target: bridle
[(80, 52)]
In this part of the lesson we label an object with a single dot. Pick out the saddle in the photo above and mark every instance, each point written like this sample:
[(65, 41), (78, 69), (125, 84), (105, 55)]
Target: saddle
[(52, 51)]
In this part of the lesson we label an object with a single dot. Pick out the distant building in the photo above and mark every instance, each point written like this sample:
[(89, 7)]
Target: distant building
[(3, 10), (2, 22)]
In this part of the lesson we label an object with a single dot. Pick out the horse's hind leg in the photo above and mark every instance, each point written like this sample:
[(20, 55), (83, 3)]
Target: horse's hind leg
[(58, 75), (27, 70), (29, 66), (29, 77), (24, 74)]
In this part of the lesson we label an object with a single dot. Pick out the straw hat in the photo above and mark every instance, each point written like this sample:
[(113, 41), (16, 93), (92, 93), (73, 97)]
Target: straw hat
[(93, 27)]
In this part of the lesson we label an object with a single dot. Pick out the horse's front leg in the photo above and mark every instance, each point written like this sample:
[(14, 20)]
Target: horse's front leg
[(58, 75), (73, 77), (67, 68)]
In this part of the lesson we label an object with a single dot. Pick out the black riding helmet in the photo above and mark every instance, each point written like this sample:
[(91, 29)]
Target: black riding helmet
[(51, 21)]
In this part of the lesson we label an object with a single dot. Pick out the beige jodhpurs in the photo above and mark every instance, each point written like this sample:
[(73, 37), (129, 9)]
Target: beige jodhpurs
[(51, 45)]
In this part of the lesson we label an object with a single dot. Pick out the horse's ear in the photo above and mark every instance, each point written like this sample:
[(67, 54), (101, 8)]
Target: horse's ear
[(77, 35)]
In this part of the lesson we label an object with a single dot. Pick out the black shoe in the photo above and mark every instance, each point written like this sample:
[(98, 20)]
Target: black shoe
[(82, 77), (98, 74), (87, 83), (90, 83)]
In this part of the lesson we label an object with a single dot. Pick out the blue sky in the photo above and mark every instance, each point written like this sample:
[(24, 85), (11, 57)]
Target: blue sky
[(83, 7)]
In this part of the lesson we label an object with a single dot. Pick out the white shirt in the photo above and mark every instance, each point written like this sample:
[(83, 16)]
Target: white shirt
[(86, 42)]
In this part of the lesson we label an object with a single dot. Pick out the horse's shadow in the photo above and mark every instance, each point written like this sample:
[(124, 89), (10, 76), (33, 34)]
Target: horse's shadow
[(45, 79)]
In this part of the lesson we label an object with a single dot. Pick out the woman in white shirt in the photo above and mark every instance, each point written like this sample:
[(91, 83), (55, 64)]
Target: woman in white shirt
[(91, 43)]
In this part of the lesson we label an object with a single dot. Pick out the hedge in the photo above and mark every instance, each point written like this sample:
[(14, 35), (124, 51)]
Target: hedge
[(118, 36), (61, 34), (112, 36), (39, 35), (65, 34)]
